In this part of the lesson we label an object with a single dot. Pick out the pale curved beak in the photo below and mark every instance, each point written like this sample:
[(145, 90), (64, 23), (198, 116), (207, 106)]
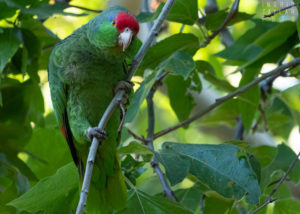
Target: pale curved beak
[(125, 38)]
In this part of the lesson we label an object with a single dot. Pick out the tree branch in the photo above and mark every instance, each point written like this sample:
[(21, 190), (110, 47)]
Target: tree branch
[(282, 9), (115, 102), (221, 100), (150, 138), (233, 11), (270, 199)]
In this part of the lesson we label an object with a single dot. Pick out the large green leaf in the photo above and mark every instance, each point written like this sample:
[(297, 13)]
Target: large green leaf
[(165, 48), (179, 63), (51, 195), (9, 44), (222, 168), (181, 100), (135, 148), (48, 151), (141, 202), (185, 12), (140, 95), (281, 117), (214, 20), (258, 42), (6, 11), (265, 154)]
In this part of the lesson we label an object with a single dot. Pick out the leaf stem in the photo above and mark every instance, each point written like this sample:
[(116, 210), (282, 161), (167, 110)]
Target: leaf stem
[(115, 102)]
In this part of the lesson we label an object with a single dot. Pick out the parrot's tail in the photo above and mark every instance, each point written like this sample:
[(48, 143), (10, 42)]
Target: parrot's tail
[(104, 199)]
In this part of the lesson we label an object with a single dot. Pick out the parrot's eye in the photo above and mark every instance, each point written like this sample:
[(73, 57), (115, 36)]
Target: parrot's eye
[(113, 23)]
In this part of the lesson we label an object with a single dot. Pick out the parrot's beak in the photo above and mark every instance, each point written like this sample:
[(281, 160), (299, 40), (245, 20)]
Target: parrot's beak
[(125, 38)]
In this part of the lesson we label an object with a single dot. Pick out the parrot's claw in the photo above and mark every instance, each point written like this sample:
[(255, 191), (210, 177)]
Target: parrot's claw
[(124, 85), (96, 132)]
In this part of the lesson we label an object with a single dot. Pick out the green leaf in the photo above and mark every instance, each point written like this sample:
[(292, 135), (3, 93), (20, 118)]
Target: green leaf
[(45, 10), (185, 12), (258, 42), (225, 113), (286, 206), (281, 111), (140, 95), (9, 44), (209, 73), (141, 202), (51, 195), (134, 148), (292, 97), (181, 100), (46, 157), (279, 165), (190, 197), (221, 168), (165, 48), (34, 99), (265, 154), (6, 11), (214, 20), (179, 63)]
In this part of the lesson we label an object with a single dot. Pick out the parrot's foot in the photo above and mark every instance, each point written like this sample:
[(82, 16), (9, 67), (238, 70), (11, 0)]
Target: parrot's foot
[(124, 85), (96, 132)]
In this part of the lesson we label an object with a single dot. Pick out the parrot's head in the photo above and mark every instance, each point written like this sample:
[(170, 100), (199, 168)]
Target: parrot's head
[(114, 28)]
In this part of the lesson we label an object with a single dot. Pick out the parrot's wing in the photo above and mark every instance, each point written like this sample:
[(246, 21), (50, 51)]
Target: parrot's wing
[(59, 91)]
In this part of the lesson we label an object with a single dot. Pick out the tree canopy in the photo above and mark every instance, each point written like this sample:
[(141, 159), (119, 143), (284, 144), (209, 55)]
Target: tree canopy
[(210, 126)]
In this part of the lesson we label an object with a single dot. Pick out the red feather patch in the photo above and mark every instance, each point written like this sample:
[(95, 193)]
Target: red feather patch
[(63, 130), (124, 19)]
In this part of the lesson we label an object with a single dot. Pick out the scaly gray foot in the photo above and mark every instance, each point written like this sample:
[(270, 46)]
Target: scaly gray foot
[(124, 85), (96, 132)]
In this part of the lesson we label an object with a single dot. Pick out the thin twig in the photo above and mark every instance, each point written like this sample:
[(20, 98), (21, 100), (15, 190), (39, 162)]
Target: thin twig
[(150, 138), (115, 102), (123, 117), (270, 199), (221, 100), (135, 136), (233, 11), (282, 9)]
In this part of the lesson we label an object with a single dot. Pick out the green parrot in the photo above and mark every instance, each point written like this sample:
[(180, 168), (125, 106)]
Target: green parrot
[(84, 69)]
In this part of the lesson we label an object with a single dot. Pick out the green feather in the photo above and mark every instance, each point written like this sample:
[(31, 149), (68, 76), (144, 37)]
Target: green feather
[(83, 70)]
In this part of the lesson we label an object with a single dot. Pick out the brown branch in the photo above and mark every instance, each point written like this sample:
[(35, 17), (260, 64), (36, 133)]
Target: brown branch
[(282, 9), (270, 199), (221, 100)]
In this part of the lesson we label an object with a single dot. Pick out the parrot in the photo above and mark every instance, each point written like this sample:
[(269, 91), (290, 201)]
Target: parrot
[(85, 70)]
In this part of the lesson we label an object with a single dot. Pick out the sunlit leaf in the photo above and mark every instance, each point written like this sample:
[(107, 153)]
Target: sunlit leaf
[(221, 168)]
